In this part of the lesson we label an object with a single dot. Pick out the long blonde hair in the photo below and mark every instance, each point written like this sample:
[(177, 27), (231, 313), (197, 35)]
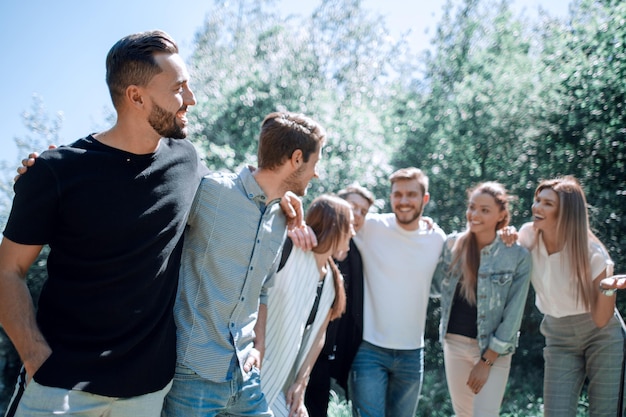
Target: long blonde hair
[(573, 231), (465, 252)]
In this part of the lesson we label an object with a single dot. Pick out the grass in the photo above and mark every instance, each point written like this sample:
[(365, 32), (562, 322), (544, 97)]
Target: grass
[(523, 396)]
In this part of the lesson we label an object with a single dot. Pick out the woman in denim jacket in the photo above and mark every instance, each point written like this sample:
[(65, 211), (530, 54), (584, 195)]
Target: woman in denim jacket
[(483, 286)]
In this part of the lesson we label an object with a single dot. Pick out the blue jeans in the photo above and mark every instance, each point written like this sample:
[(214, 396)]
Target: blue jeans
[(193, 396), (385, 382)]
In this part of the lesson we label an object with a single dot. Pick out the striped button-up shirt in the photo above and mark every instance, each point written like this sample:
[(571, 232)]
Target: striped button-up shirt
[(231, 250)]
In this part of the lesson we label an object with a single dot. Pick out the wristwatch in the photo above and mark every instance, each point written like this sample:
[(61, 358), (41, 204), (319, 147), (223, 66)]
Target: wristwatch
[(608, 291)]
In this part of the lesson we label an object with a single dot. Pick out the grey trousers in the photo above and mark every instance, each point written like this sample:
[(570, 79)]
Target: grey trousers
[(576, 349)]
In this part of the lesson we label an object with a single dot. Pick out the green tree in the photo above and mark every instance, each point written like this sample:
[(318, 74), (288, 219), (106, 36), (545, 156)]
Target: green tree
[(585, 121), (333, 66), (478, 101), (42, 131)]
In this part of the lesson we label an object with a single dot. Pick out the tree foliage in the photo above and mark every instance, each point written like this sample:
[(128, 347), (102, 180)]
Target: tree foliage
[(585, 119), (334, 66), (496, 97)]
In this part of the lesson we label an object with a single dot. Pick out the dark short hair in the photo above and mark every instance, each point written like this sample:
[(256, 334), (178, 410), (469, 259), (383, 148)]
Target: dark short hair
[(358, 190), (131, 61), (282, 133)]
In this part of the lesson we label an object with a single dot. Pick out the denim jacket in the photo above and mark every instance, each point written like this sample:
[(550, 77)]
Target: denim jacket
[(503, 281)]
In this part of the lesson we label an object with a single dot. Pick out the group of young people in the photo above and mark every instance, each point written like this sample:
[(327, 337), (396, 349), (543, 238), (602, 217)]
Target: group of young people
[(172, 291), (482, 278)]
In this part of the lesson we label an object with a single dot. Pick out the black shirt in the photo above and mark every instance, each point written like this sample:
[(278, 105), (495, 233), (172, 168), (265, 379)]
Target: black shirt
[(462, 316), (114, 223)]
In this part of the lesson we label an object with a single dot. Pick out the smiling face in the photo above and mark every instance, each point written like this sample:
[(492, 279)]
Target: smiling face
[(483, 215), (360, 207), (407, 202), (169, 96), (545, 210)]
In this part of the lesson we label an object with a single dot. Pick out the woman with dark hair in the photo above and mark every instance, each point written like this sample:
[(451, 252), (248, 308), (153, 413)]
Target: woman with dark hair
[(483, 286), (583, 336), (307, 293)]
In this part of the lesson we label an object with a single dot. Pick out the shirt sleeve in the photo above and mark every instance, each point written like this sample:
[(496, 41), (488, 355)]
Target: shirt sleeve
[(35, 206), (527, 235), (600, 261)]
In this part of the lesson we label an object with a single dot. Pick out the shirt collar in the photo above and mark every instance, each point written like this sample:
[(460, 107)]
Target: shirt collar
[(493, 246), (252, 188)]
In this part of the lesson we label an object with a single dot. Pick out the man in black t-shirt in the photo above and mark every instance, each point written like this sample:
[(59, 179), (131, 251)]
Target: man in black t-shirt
[(112, 207)]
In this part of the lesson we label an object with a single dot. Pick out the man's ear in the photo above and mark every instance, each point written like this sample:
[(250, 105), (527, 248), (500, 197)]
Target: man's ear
[(297, 158), (426, 198), (134, 95)]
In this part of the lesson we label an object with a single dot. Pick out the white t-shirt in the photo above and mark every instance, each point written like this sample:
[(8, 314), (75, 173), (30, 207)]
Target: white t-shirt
[(552, 278), (398, 266)]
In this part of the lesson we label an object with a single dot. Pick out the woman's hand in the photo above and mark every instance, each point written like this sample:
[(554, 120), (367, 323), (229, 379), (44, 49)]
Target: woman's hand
[(615, 282), (295, 399), (478, 376)]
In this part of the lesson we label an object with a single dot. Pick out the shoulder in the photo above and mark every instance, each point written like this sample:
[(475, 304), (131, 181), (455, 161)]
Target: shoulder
[(517, 250), (227, 179), (452, 238), (380, 218), (527, 235), (438, 231), (377, 223), (65, 158), (598, 254), (179, 145), (180, 151), (69, 151)]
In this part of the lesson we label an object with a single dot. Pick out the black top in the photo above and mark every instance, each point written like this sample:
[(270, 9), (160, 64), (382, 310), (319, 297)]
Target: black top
[(462, 316), (344, 335), (114, 223)]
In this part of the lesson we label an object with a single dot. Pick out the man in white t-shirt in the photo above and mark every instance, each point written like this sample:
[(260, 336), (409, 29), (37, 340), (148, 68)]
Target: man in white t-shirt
[(400, 251)]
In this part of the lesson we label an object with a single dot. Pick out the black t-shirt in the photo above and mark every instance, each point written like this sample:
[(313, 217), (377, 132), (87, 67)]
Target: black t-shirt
[(114, 223), (462, 319)]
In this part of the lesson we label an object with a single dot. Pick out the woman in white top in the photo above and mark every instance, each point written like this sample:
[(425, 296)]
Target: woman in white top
[(583, 336), (307, 293)]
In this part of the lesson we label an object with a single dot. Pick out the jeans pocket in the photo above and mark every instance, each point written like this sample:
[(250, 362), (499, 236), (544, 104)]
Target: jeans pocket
[(184, 373)]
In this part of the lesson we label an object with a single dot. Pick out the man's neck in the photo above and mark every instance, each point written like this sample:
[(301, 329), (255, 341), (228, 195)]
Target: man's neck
[(270, 182), (131, 139), (410, 227)]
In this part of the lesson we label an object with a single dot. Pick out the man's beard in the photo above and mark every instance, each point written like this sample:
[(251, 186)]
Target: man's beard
[(416, 215), (164, 123), (294, 183)]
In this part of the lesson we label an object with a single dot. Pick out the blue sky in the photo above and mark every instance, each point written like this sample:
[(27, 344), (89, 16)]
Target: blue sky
[(56, 49)]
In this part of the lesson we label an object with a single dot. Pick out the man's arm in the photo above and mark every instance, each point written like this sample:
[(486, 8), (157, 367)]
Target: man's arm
[(17, 313)]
